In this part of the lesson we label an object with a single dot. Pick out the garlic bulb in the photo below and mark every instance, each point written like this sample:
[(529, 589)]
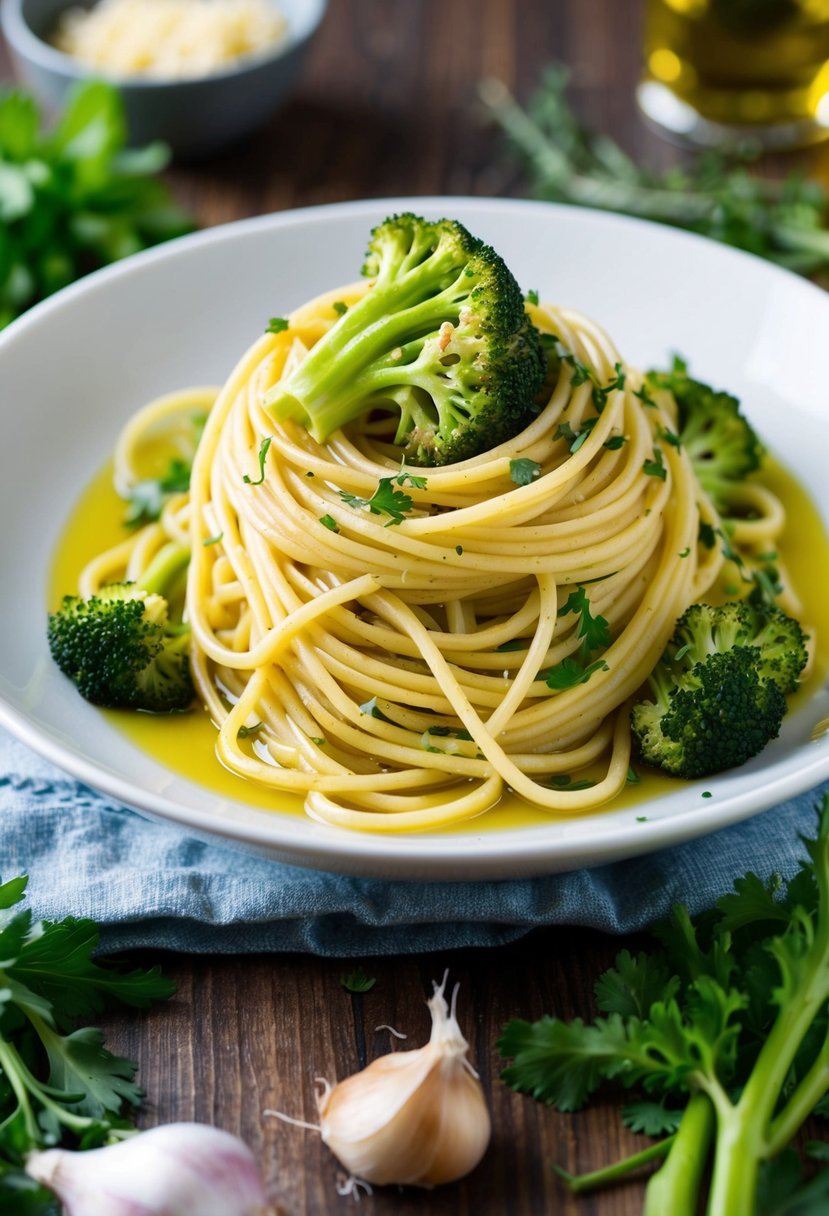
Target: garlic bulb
[(412, 1117), (173, 1170)]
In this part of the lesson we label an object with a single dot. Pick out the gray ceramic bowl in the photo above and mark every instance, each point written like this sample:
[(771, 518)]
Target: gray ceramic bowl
[(195, 117)]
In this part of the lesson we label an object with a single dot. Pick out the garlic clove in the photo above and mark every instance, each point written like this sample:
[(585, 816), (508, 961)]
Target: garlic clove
[(411, 1117), (173, 1170)]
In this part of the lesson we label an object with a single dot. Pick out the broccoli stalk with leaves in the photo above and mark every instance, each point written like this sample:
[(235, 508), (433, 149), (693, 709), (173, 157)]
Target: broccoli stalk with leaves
[(121, 647), (719, 690), (724, 1028), (441, 340)]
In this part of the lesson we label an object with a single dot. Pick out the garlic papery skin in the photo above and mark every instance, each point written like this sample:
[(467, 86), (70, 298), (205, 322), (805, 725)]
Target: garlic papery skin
[(415, 1118), (178, 1169)]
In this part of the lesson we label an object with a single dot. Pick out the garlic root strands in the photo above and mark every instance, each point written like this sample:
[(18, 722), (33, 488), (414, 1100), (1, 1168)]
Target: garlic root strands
[(174, 1170), (415, 1118)]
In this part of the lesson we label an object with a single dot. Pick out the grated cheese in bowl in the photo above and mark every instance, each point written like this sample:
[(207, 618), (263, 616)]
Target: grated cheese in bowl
[(169, 39)]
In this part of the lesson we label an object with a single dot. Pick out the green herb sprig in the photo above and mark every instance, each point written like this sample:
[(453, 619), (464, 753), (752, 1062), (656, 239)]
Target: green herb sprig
[(262, 456), (722, 1031), (717, 197), (523, 471), (74, 198), (58, 1083), (594, 633), (386, 500), (357, 981)]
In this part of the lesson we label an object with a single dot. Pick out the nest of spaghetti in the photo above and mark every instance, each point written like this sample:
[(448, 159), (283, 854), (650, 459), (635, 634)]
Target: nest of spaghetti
[(436, 558), (400, 646)]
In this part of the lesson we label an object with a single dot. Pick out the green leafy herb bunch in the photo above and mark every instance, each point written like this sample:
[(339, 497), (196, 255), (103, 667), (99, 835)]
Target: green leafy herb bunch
[(58, 1082), (74, 197), (722, 1034)]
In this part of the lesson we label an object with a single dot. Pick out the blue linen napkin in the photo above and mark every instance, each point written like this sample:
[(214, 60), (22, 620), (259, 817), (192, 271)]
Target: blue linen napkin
[(150, 884)]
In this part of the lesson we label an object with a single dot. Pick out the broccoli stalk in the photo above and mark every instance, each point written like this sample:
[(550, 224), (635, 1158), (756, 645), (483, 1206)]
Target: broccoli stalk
[(441, 340), (120, 647), (722, 446), (719, 689)]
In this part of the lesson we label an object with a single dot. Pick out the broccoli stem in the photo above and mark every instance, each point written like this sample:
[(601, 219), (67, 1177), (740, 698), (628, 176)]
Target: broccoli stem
[(164, 569), (328, 389), (675, 1188)]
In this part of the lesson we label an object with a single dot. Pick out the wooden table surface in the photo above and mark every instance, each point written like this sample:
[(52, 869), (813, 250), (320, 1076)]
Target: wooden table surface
[(387, 106)]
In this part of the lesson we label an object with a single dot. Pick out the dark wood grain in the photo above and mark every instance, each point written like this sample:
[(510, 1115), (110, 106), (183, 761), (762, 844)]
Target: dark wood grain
[(248, 1034), (388, 106), (244, 1035)]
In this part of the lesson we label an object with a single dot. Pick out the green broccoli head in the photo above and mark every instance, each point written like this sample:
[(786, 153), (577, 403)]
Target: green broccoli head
[(719, 688), (441, 341), (719, 440), (706, 629), (121, 650), (721, 715)]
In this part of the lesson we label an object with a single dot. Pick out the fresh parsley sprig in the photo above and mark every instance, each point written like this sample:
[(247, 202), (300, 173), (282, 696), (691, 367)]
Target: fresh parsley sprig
[(594, 632), (74, 198), (523, 471), (58, 1083), (570, 672), (655, 465), (386, 500), (357, 981), (575, 439), (147, 497)]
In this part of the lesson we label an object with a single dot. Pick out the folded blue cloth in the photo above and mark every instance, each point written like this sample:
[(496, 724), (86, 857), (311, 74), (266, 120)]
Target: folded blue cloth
[(150, 884)]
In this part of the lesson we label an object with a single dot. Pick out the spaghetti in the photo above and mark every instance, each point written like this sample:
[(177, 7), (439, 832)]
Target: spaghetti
[(399, 676), (400, 673)]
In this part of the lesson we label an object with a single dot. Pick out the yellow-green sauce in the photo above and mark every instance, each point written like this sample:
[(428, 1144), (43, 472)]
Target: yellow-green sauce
[(185, 742)]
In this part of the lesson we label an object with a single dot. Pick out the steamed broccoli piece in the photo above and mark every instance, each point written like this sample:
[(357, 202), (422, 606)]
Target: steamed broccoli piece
[(120, 647), (719, 440), (719, 688), (705, 629), (441, 341)]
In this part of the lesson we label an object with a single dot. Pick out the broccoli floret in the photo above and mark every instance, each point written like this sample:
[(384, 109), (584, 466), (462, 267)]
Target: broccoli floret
[(120, 647), (705, 629), (719, 440), (719, 689), (441, 341)]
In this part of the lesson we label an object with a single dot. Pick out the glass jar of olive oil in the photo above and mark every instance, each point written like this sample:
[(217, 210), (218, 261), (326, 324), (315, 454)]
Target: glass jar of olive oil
[(722, 71)]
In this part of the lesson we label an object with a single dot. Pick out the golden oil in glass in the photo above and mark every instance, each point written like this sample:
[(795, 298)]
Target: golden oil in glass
[(721, 71)]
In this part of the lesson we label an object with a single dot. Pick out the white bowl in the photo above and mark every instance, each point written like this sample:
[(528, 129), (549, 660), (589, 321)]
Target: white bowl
[(78, 365), (196, 117)]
